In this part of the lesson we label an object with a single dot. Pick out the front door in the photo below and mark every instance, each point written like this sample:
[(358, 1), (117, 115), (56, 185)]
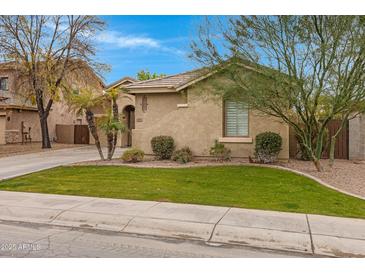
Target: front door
[(129, 122)]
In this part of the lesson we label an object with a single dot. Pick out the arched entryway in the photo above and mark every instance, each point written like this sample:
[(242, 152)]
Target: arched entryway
[(128, 113)]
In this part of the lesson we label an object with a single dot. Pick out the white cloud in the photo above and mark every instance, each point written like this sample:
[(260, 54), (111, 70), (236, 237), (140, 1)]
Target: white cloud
[(127, 41), (119, 40)]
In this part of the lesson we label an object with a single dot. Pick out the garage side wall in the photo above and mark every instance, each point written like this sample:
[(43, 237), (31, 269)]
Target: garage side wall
[(357, 138)]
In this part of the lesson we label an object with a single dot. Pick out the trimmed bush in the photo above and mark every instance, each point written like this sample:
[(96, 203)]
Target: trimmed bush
[(220, 152), (133, 155), (183, 155), (163, 147), (267, 147)]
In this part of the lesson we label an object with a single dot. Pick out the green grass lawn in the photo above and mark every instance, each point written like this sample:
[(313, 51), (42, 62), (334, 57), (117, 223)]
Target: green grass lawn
[(236, 186)]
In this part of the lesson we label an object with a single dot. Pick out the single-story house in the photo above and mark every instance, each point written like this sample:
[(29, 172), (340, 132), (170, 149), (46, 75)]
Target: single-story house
[(174, 105)]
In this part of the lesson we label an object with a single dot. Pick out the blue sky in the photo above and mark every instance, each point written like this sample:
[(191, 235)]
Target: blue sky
[(157, 43)]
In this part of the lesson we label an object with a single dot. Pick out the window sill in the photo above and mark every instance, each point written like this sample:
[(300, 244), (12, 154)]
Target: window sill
[(182, 105), (243, 140)]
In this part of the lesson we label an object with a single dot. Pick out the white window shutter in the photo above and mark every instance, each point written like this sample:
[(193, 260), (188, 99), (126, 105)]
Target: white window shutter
[(236, 119)]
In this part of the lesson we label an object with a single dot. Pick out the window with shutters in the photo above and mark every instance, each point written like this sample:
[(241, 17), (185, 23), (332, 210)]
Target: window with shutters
[(235, 119)]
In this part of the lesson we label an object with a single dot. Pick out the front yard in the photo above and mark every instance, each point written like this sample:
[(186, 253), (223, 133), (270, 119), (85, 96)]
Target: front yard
[(236, 186)]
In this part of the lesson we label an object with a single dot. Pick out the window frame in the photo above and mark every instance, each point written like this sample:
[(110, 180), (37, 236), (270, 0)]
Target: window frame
[(7, 84), (224, 122)]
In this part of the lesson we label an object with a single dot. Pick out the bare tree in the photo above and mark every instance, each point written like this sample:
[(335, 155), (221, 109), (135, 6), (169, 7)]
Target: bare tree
[(45, 49), (305, 70)]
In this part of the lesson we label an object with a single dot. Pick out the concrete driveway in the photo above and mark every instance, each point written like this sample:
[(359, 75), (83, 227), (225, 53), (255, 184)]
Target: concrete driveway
[(23, 164)]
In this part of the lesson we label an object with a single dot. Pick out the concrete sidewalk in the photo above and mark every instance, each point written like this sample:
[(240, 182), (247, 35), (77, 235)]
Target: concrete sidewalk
[(310, 234), (18, 165)]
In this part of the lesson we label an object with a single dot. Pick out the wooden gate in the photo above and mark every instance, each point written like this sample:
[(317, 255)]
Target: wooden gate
[(342, 141), (81, 134)]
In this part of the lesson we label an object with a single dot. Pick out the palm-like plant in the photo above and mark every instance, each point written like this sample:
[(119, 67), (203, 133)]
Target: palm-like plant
[(113, 94), (83, 101), (111, 127)]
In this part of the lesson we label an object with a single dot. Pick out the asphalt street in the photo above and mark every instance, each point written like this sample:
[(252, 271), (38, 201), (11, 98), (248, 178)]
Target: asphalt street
[(18, 239)]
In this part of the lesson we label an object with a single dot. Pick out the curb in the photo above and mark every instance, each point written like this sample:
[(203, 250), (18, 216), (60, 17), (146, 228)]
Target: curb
[(308, 234)]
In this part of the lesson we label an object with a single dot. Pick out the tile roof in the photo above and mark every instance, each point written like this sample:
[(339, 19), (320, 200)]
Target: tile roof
[(120, 81), (171, 81)]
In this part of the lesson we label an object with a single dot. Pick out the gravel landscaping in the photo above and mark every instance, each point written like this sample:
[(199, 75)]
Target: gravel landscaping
[(345, 175), (160, 163)]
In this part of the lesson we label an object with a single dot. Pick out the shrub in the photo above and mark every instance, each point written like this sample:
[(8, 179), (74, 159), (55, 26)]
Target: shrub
[(267, 147), (163, 147), (133, 155), (219, 152), (183, 155)]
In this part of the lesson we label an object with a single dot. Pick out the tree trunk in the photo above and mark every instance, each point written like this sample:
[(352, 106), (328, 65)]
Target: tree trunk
[(46, 142), (115, 134), (317, 164), (110, 138), (115, 139), (332, 151), (94, 132), (43, 115)]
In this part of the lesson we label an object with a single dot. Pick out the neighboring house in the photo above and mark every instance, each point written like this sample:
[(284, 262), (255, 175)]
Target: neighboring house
[(176, 106), (19, 115)]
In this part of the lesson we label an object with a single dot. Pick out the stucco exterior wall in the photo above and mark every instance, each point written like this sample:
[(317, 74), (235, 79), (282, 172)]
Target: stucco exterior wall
[(197, 125), (357, 138), (14, 97), (30, 119)]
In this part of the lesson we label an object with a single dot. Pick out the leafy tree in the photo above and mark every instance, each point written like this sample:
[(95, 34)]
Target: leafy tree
[(146, 75), (306, 70), (84, 101), (46, 50)]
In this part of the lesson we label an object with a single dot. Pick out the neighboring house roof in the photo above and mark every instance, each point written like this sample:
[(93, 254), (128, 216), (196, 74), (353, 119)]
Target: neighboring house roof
[(7, 65), (123, 81), (176, 82), (21, 107)]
